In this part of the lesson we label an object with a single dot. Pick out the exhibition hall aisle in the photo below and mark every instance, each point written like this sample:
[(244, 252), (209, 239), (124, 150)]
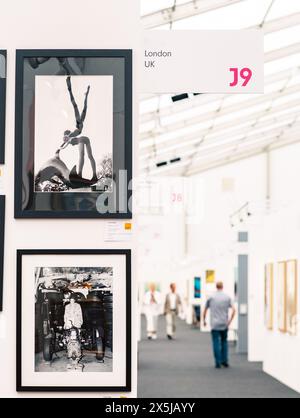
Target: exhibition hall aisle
[(184, 368)]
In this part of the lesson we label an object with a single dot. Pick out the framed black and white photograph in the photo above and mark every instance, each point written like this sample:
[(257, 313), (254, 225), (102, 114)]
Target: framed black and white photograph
[(73, 134), (2, 240), (74, 320), (3, 65)]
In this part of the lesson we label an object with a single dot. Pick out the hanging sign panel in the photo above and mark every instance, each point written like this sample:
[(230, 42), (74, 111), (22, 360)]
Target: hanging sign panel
[(202, 61)]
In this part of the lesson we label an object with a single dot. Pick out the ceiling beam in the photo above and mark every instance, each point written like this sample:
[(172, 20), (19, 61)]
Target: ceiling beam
[(207, 152), (285, 142), (278, 54), (281, 23), (176, 169), (222, 112), (220, 133), (184, 11)]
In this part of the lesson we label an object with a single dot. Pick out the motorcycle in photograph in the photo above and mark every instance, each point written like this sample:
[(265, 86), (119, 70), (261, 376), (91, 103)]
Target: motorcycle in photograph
[(74, 350)]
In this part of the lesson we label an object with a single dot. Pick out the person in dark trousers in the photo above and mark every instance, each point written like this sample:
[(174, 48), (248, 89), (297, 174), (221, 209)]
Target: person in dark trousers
[(220, 304)]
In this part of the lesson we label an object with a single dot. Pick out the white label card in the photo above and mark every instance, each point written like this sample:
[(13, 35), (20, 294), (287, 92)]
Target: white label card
[(118, 231)]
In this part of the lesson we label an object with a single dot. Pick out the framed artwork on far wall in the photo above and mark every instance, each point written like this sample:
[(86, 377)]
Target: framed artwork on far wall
[(73, 320), (210, 276), (269, 296), (73, 134), (197, 288), (2, 232), (292, 296), (3, 57), (281, 286)]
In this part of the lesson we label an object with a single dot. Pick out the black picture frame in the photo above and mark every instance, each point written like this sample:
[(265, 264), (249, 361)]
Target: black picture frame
[(28, 203), (128, 386), (3, 70), (2, 240)]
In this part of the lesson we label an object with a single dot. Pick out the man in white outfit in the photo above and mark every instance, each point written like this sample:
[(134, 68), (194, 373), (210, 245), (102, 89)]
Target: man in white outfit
[(173, 306), (73, 315), (152, 303)]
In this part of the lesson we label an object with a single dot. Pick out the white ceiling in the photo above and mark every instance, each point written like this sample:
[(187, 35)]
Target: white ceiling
[(207, 131)]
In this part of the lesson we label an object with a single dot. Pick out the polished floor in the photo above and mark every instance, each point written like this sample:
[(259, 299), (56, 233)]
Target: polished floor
[(184, 368)]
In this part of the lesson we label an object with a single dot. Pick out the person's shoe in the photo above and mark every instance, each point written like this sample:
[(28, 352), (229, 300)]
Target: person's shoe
[(169, 337), (149, 337), (225, 365), (218, 366), (154, 337)]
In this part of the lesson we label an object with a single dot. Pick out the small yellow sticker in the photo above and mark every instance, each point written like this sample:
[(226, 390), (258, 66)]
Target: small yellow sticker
[(128, 226)]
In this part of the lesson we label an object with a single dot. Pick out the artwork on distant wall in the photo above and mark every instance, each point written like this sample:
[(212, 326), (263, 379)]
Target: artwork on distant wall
[(74, 320), (281, 286), (197, 288), (73, 155), (269, 296), (210, 276), (148, 286), (291, 296), (2, 103), (236, 283), (2, 227)]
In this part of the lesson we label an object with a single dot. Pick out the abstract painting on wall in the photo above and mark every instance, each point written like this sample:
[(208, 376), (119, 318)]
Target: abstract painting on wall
[(282, 319), (197, 288), (269, 296), (210, 276), (291, 296), (150, 285)]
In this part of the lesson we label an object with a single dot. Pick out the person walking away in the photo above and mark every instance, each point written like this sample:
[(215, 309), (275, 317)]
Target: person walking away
[(152, 303), (219, 305), (172, 307)]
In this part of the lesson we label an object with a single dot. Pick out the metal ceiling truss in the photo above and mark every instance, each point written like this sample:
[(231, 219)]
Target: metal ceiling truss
[(236, 107), (269, 136), (230, 158), (184, 11), (220, 133)]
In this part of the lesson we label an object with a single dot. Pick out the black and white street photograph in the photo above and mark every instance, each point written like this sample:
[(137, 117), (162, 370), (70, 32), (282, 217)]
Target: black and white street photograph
[(73, 319), (73, 133)]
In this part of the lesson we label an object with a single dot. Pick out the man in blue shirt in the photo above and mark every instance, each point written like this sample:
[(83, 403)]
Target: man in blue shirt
[(220, 304)]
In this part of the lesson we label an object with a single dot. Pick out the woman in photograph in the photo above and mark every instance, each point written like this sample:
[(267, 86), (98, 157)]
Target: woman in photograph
[(73, 138)]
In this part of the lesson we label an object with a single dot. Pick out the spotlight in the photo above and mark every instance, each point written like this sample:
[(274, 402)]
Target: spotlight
[(162, 164), (180, 97), (175, 160)]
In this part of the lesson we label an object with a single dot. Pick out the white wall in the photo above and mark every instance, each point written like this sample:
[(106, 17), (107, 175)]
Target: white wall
[(278, 240), (32, 24), (275, 238), (213, 240)]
